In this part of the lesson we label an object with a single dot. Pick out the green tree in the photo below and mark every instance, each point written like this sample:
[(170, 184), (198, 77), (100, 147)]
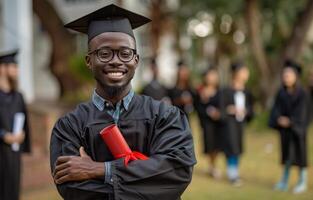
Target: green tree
[(276, 31)]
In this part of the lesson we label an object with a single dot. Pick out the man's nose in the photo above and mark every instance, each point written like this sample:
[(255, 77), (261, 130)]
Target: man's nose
[(115, 61)]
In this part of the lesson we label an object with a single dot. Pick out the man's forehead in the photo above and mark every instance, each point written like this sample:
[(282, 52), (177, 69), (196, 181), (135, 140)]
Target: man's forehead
[(113, 38)]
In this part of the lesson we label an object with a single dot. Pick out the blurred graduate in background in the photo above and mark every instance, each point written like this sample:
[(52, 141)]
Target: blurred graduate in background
[(290, 116), (14, 131), (237, 104), (181, 94), (207, 105), (155, 89)]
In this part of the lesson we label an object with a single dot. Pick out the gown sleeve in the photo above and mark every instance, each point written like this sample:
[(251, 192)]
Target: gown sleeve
[(275, 113), (299, 116), (65, 141), (26, 145), (168, 171), (197, 105), (249, 107)]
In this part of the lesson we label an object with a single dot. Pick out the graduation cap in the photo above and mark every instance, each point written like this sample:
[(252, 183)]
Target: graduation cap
[(236, 66), (8, 57), (292, 64), (110, 18)]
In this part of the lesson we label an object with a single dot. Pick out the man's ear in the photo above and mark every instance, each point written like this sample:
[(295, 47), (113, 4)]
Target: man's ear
[(136, 60), (88, 61)]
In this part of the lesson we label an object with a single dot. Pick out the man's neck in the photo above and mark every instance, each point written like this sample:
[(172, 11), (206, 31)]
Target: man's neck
[(113, 99)]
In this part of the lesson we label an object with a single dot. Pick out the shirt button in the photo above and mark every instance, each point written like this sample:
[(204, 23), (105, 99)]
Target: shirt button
[(107, 104)]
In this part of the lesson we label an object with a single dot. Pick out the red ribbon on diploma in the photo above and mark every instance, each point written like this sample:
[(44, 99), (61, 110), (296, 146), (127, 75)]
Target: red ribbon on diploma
[(119, 148)]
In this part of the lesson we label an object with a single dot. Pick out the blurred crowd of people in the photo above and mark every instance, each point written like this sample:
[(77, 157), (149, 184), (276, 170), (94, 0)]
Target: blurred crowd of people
[(224, 111)]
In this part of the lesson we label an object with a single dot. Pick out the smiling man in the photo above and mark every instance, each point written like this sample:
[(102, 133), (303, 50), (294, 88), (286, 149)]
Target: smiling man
[(82, 165)]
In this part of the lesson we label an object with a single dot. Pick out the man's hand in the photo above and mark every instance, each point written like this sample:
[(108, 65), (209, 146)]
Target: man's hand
[(11, 138), (283, 122), (77, 168)]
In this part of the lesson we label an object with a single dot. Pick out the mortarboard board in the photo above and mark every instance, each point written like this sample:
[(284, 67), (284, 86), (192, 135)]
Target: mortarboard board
[(292, 64), (110, 18), (8, 57)]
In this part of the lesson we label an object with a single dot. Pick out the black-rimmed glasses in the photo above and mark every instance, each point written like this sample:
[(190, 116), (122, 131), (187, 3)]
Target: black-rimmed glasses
[(106, 54)]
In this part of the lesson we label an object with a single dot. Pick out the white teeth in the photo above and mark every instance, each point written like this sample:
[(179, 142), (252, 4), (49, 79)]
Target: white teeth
[(115, 74)]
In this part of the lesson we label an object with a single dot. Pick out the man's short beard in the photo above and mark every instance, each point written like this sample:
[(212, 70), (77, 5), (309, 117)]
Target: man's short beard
[(113, 91)]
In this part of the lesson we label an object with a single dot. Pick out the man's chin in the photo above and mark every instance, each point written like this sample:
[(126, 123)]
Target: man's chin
[(114, 90)]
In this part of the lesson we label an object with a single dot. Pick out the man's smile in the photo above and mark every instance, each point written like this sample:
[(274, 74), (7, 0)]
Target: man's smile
[(115, 74)]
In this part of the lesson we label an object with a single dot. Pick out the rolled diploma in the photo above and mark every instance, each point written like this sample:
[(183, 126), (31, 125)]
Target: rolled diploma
[(19, 120), (240, 103)]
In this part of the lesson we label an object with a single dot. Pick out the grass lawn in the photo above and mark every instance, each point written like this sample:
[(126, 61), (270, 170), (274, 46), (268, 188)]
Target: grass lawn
[(260, 170)]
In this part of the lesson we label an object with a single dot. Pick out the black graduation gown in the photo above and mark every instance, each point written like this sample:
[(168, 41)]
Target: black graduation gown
[(10, 161), (157, 130), (155, 90), (293, 139), (177, 93), (210, 127), (232, 129), (311, 102)]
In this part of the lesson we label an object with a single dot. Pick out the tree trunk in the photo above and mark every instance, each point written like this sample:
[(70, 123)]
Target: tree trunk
[(257, 48), (156, 25), (294, 46), (62, 46), (292, 50)]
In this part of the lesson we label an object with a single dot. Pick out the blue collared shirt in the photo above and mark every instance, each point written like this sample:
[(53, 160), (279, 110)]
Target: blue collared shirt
[(114, 111)]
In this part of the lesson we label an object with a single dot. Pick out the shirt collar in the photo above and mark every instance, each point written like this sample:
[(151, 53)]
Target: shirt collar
[(100, 102)]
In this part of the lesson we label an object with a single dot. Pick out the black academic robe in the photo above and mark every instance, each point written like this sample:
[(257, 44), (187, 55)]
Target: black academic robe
[(311, 102), (210, 127), (10, 161), (176, 94), (157, 130), (155, 90), (232, 130), (293, 139)]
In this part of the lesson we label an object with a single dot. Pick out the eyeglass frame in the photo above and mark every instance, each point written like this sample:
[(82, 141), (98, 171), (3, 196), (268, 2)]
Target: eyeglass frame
[(113, 50)]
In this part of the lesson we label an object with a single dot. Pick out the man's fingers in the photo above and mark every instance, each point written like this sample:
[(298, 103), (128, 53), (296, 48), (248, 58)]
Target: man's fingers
[(63, 159), (61, 173), (60, 167), (62, 179), (82, 152)]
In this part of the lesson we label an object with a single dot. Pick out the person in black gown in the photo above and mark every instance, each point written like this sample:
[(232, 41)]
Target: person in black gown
[(82, 165), (311, 93), (290, 116), (207, 105), (155, 89), (237, 109), (11, 103), (181, 95)]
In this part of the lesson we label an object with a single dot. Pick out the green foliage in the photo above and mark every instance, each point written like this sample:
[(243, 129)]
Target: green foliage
[(260, 169), (260, 121), (278, 19), (79, 69)]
